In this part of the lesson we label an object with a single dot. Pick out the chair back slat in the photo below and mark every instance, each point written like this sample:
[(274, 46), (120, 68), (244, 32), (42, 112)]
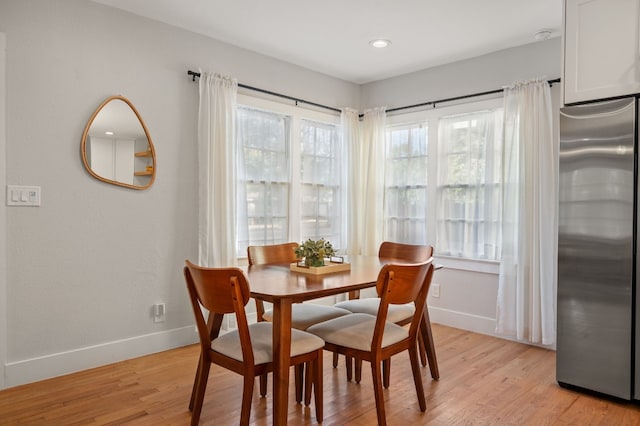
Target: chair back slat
[(400, 284), (213, 287), (272, 254), (405, 252)]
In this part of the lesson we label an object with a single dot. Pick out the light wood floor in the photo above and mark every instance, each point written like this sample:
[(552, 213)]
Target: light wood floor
[(484, 381)]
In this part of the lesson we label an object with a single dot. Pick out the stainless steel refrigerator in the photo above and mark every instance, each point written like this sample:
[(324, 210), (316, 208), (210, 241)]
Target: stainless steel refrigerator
[(598, 346)]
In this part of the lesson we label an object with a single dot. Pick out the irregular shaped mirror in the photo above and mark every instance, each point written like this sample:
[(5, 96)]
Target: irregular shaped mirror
[(116, 146)]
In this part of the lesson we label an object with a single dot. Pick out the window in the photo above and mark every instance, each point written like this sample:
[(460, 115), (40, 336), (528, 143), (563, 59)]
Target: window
[(290, 175), (442, 179), (320, 181), (406, 184), (469, 190), (263, 141)]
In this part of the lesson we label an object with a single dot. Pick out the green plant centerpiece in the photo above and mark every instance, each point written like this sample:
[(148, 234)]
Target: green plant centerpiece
[(314, 252)]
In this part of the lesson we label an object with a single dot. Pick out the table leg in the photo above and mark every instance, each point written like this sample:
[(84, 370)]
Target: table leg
[(281, 358), (427, 337)]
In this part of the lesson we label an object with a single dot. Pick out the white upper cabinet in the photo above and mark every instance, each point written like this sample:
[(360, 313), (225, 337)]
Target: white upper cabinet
[(601, 49)]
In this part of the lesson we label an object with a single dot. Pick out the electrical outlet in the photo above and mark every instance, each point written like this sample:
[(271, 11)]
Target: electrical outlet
[(159, 312), (435, 290)]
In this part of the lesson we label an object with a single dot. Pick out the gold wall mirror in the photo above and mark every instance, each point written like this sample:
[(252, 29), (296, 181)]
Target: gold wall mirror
[(116, 146)]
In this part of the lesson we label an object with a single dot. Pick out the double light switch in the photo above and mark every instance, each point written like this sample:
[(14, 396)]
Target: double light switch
[(20, 195)]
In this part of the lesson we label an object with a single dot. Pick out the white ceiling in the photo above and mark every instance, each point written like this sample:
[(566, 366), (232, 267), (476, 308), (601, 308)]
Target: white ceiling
[(332, 36)]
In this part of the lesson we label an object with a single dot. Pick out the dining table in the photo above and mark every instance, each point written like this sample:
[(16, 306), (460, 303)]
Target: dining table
[(282, 287)]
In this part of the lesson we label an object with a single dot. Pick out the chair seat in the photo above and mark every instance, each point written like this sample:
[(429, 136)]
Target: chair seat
[(262, 341), (370, 305), (304, 315), (356, 331)]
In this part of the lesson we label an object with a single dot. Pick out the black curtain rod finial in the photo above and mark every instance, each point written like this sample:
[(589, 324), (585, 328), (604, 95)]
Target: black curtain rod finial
[(193, 75)]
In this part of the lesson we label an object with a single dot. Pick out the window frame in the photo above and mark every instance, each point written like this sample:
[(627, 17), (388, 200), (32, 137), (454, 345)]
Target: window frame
[(430, 118), (296, 114)]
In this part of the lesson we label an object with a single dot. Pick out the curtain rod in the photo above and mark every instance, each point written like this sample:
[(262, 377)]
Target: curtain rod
[(457, 98), (194, 74)]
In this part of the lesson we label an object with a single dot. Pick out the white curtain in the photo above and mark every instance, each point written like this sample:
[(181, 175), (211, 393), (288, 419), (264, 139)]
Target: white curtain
[(527, 282), (365, 145), (217, 170), (350, 138)]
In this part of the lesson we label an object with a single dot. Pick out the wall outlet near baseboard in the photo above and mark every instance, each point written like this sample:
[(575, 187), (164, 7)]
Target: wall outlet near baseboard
[(434, 291), (159, 312)]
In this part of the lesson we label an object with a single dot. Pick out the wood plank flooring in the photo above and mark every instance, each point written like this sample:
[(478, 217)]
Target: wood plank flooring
[(484, 381)]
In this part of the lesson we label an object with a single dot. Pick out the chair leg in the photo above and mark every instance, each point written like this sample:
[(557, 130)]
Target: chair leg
[(299, 377), (195, 384), (358, 373), (377, 391), (203, 375), (422, 350), (348, 363), (263, 385), (417, 377), (309, 377), (247, 395), (318, 386), (335, 360), (386, 372)]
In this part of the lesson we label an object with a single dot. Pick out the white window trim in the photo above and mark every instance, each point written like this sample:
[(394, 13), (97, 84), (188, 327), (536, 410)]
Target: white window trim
[(430, 118), (473, 265), (296, 114)]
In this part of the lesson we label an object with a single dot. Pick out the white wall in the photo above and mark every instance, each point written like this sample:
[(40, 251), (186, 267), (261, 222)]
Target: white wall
[(480, 74), (3, 214), (84, 269)]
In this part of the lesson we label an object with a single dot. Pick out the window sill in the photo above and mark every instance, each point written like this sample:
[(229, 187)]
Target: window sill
[(473, 265)]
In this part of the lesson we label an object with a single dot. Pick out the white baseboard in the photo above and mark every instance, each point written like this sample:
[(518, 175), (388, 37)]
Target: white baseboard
[(474, 323), (463, 320), (45, 367)]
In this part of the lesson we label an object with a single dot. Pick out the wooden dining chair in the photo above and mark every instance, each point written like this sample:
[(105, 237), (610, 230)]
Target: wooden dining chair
[(248, 349), (303, 315), (399, 314), (375, 339)]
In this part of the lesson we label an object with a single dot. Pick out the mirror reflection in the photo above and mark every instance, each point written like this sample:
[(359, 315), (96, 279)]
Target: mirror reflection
[(116, 145)]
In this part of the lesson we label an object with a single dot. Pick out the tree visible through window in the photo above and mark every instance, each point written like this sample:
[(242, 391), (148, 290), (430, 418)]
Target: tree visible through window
[(469, 185), (406, 185), (290, 178), (321, 175), (443, 180), (264, 177)]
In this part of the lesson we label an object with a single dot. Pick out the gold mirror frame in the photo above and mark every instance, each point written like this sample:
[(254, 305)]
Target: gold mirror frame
[(149, 172)]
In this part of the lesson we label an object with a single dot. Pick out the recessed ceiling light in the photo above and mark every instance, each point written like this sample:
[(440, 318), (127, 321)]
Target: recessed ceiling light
[(108, 133), (380, 43), (542, 35)]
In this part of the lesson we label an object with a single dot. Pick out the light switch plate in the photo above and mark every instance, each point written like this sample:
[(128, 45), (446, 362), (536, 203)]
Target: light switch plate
[(25, 196)]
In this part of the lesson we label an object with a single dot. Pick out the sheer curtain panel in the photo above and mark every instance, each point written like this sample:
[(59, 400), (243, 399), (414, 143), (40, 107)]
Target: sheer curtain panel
[(350, 123), (527, 282), (366, 180), (217, 170)]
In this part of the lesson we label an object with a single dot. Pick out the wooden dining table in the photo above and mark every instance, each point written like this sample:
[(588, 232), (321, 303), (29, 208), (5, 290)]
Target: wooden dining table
[(282, 287)]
